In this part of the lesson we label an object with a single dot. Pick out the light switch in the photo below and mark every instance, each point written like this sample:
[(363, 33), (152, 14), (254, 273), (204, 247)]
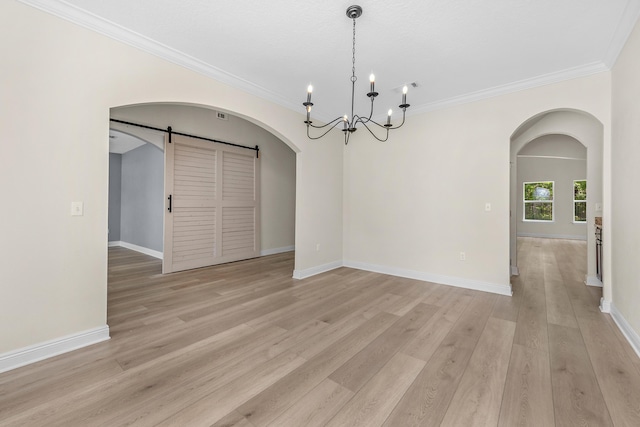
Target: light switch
[(487, 207), (77, 209)]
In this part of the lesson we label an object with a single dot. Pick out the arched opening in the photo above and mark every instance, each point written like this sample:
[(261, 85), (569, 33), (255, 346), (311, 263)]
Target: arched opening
[(546, 128), (277, 156)]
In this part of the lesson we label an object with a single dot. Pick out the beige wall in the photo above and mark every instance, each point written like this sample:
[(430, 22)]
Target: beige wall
[(58, 82), (411, 204), (277, 160), (414, 203), (626, 176)]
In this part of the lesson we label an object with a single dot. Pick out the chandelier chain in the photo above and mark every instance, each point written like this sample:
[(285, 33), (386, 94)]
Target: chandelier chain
[(353, 51)]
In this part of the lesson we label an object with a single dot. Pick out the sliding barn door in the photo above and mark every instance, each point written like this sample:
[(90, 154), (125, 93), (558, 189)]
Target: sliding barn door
[(212, 210)]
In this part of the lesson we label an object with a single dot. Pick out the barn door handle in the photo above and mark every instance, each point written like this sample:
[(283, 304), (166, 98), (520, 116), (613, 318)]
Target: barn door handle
[(169, 202)]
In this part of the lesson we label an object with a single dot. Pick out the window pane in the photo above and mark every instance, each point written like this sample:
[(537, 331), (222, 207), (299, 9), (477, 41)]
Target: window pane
[(579, 190), (538, 190), (538, 211), (580, 211)]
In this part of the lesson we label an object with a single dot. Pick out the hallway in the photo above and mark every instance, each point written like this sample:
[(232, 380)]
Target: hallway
[(567, 355)]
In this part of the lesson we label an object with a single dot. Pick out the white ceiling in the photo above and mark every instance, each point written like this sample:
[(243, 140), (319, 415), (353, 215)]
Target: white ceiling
[(120, 142), (457, 50)]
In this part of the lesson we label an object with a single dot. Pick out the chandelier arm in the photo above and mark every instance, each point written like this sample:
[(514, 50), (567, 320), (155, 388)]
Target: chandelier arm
[(333, 122), (319, 127), (369, 120), (400, 125), (373, 134)]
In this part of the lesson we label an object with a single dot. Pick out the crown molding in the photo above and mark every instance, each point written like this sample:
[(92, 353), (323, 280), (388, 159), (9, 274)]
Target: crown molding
[(117, 32), (623, 31), (543, 80)]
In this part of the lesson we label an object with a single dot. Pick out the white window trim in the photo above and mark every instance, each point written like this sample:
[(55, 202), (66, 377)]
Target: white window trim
[(573, 205), (524, 203)]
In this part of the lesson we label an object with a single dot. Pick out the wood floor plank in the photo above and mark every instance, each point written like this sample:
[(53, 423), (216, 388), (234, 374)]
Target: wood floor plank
[(214, 406), (233, 420), (527, 398), (576, 395), (245, 345), (618, 378), (428, 338), (375, 401), (531, 329), (360, 368), (315, 408), (427, 400), (266, 406), (478, 397), (507, 308)]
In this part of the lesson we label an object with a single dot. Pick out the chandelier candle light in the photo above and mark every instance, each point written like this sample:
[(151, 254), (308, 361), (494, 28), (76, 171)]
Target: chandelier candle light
[(350, 126)]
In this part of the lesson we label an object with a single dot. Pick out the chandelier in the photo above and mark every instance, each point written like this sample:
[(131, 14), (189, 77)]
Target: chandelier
[(350, 123)]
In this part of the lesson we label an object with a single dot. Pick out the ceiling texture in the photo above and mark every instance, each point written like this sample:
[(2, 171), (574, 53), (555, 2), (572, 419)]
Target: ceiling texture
[(455, 50)]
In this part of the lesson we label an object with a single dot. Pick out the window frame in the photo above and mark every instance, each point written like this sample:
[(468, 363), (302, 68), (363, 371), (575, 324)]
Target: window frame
[(524, 201), (573, 187)]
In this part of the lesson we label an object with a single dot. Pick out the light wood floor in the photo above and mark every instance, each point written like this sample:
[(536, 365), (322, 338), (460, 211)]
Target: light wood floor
[(243, 344)]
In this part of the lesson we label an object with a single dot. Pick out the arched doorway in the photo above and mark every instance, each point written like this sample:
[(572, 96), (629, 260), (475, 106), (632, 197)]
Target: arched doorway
[(278, 174), (584, 128)]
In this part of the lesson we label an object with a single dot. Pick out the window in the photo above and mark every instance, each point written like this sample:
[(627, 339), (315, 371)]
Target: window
[(538, 201), (580, 201)]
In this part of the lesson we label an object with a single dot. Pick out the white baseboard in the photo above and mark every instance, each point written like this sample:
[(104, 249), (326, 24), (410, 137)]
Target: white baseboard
[(137, 248), (35, 353), (274, 251), (592, 281), (114, 243), (514, 270), (605, 306), (626, 329), (303, 274), (555, 236), (427, 277)]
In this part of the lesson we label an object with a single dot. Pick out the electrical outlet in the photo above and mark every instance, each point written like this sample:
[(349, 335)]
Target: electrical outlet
[(77, 209), (487, 207), (463, 256)]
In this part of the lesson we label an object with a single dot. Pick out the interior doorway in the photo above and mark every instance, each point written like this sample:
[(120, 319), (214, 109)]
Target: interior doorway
[(546, 132), (278, 160), (136, 170)]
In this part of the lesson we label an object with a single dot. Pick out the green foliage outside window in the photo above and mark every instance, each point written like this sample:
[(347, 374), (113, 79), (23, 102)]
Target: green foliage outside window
[(538, 201), (580, 201)]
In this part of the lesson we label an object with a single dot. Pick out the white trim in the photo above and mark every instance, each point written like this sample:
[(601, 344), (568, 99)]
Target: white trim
[(303, 274), (535, 156), (554, 236), (546, 79), (114, 243), (623, 31), (626, 329), (35, 353), (435, 278), (117, 32), (96, 23), (605, 305), (137, 248), (592, 281), (274, 251), (514, 270)]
